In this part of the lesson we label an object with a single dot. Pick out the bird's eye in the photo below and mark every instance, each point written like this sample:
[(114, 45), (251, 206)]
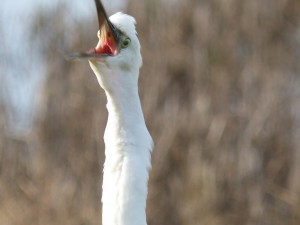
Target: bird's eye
[(126, 42)]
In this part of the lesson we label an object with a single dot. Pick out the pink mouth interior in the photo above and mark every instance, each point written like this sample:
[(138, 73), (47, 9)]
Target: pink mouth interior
[(104, 49), (106, 46)]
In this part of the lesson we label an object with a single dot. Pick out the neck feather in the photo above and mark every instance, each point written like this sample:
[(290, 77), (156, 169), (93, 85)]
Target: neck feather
[(127, 149)]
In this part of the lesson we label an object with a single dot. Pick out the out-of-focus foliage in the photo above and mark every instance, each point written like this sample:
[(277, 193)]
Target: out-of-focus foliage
[(220, 89)]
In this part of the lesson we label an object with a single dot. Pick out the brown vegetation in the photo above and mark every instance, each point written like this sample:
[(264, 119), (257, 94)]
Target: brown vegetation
[(220, 92)]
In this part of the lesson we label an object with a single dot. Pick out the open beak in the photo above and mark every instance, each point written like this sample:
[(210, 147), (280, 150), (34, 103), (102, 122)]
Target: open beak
[(108, 36)]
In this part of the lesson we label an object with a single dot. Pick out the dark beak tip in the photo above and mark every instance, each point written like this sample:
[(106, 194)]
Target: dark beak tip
[(74, 56), (104, 20)]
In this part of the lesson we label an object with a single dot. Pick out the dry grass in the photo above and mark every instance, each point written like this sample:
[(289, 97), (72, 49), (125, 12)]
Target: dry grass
[(220, 92)]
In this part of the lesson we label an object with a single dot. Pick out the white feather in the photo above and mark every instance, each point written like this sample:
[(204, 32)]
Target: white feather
[(128, 143)]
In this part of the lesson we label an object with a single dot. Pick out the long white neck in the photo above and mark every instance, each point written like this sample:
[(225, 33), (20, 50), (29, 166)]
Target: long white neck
[(127, 149)]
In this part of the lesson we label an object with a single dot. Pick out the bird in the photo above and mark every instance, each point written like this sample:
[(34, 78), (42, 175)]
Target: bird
[(116, 61)]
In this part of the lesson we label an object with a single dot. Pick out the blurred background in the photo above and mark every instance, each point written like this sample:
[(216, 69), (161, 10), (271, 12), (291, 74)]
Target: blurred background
[(220, 89)]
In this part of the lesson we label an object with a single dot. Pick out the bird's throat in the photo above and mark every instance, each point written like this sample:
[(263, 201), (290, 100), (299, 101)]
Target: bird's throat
[(107, 46)]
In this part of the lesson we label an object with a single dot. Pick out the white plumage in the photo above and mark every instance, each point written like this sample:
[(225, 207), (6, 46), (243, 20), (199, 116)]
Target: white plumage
[(128, 143), (116, 61)]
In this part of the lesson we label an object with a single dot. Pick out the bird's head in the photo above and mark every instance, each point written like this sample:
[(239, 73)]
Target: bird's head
[(116, 59)]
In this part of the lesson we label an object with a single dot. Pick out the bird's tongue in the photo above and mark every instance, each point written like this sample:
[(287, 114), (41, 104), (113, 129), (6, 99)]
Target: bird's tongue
[(104, 50), (106, 46)]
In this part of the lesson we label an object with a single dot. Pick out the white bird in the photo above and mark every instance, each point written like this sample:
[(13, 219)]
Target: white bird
[(116, 61)]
